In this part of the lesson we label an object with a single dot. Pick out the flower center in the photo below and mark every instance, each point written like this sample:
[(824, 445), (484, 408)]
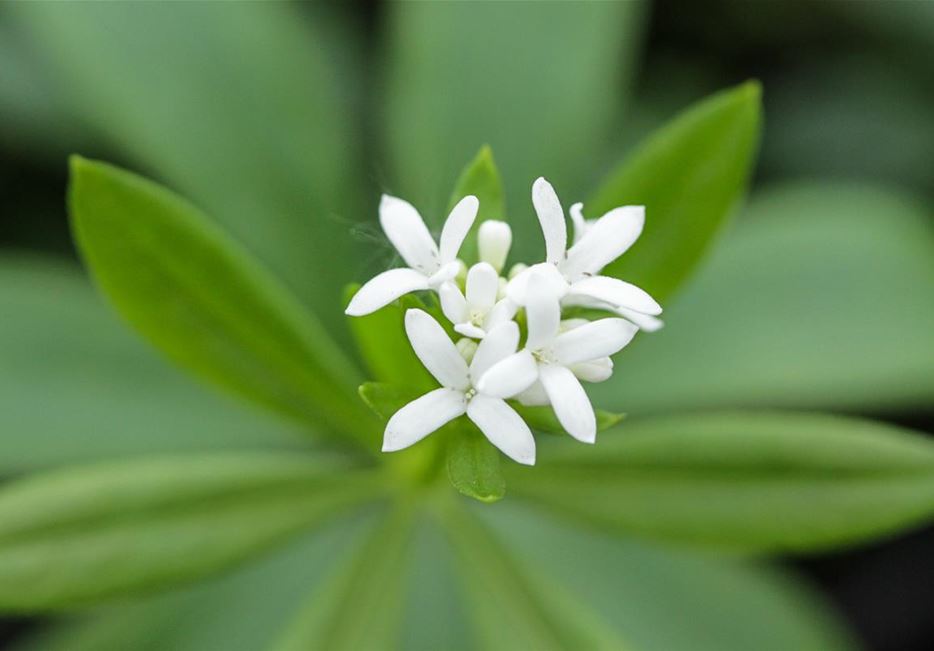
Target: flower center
[(469, 394), (543, 356)]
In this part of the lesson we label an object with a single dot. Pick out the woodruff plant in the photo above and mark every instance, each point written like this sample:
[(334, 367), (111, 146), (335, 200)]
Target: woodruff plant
[(555, 355), (501, 365)]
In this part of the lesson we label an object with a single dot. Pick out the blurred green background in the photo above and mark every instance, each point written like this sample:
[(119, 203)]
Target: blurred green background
[(286, 121)]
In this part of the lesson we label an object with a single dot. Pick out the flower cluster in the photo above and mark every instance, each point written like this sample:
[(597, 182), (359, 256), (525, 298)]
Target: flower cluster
[(493, 362)]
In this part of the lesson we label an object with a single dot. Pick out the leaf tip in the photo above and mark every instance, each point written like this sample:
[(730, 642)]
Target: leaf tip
[(485, 154), (76, 162), (751, 89)]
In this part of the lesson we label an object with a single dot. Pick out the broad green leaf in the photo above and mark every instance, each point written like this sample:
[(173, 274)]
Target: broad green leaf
[(750, 482), (481, 179), (659, 598), (514, 606), (243, 610), (197, 296), (75, 385), (541, 83), (689, 175), (361, 607), (543, 419), (242, 107), (382, 343), (473, 463), (436, 616), (819, 298), (86, 534)]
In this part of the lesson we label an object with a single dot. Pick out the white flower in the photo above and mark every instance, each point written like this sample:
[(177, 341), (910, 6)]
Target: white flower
[(572, 274), (458, 394), (597, 370), (429, 265), (479, 312), (644, 321), (494, 239), (550, 356)]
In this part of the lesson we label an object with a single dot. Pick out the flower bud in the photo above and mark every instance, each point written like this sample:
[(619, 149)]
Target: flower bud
[(494, 240), (517, 269)]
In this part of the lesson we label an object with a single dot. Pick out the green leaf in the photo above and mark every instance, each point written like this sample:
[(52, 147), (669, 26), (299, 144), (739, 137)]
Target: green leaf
[(513, 606), (386, 399), (473, 463), (198, 297), (543, 419), (242, 610), (384, 345), (769, 482), (362, 606), (83, 535), (161, 84), (818, 299), (689, 175), (481, 179), (636, 589), (96, 392), (541, 83), (436, 614)]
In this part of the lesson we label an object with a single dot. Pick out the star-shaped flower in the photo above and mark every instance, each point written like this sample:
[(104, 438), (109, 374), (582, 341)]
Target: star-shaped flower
[(550, 356), (429, 264), (572, 273), (480, 311), (593, 371), (459, 394), (645, 322)]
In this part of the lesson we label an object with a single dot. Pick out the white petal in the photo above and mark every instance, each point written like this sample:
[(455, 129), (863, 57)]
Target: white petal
[(502, 312), (644, 321), (598, 370), (445, 273), (407, 231), (534, 396), (570, 402), (510, 376), (570, 324), (551, 217), (518, 287), (482, 286), (503, 427), (580, 224), (498, 344), (421, 417), (599, 338), (604, 241), (457, 226), (453, 303), (470, 330), (435, 350), (543, 313), (617, 293), (494, 239), (383, 289)]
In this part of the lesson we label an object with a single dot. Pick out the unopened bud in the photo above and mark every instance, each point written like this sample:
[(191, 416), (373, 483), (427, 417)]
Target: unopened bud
[(494, 240)]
